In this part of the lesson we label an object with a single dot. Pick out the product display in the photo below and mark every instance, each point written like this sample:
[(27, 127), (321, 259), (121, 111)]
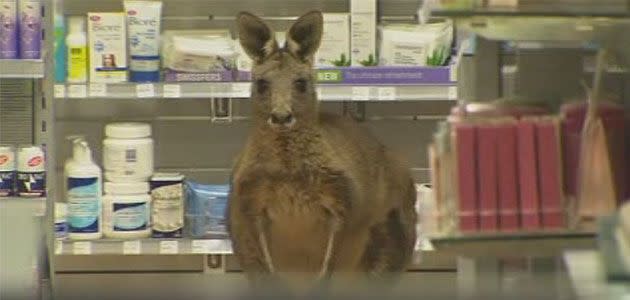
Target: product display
[(167, 213), (30, 25), (107, 36), (363, 32), (84, 194), (9, 31), (8, 171), (127, 210), (128, 152), (143, 24), (206, 206), (415, 45), (335, 44), (31, 171), (76, 43), (61, 220)]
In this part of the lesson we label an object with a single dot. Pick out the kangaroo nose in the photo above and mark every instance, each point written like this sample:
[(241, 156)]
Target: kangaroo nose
[(281, 118)]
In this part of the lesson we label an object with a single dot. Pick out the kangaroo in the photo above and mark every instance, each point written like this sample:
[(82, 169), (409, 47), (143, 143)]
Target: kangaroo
[(312, 193)]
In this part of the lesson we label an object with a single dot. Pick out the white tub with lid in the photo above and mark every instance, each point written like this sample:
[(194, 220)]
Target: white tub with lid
[(127, 210), (128, 152)]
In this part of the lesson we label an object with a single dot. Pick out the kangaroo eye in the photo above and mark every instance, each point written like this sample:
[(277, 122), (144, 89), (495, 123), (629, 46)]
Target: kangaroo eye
[(262, 86), (300, 85)]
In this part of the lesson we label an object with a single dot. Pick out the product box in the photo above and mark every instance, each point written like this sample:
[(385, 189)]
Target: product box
[(528, 174), (335, 46), (507, 176), (167, 205), (363, 32), (107, 42), (549, 172), (465, 141), (487, 176)]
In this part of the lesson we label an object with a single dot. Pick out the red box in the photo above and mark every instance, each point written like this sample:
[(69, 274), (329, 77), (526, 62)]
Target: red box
[(487, 173), (528, 174), (507, 176), (465, 158), (549, 173)]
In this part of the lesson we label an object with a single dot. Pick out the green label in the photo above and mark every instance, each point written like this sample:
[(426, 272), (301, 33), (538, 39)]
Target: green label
[(329, 76)]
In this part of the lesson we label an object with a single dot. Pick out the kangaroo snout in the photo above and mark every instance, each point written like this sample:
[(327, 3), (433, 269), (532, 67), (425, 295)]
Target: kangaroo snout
[(284, 119)]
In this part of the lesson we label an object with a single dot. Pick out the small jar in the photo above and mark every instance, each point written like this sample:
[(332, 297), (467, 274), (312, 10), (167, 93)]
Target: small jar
[(127, 210), (128, 152), (61, 224)]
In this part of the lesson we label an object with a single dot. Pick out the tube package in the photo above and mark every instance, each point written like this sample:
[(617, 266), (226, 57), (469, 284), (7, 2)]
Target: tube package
[(143, 25)]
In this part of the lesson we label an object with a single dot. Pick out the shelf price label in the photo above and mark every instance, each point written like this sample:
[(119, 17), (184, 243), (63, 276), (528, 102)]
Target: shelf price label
[(131, 248), (241, 90), (58, 247), (360, 93), (60, 91), (98, 90), (200, 246), (145, 90), (77, 91), (172, 91), (452, 93), (386, 93), (82, 248), (169, 247)]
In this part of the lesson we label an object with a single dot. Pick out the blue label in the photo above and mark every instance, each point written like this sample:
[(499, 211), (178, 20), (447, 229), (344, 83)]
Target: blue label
[(31, 184), (130, 216), (84, 208), (7, 183)]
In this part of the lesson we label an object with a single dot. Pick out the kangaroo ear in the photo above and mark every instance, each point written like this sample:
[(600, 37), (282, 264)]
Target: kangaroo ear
[(256, 38), (305, 35)]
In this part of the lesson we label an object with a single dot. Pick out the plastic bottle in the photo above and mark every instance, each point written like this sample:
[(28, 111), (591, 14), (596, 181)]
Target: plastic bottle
[(127, 210), (60, 43), (84, 184), (76, 42)]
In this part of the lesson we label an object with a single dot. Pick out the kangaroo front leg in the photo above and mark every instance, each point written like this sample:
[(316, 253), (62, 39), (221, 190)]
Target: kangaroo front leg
[(330, 249), (264, 246)]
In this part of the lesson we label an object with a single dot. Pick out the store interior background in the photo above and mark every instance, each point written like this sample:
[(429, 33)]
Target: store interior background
[(188, 142)]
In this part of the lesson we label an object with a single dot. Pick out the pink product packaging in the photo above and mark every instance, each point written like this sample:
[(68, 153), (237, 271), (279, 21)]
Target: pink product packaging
[(487, 177), (549, 173), (507, 177), (466, 157), (8, 29), (30, 25)]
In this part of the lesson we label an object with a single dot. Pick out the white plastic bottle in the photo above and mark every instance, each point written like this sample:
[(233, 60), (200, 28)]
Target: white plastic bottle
[(76, 43), (127, 210), (84, 184)]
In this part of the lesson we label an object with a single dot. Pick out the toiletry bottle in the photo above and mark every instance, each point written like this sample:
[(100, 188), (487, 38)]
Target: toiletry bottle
[(84, 184), (76, 41), (60, 43), (8, 29)]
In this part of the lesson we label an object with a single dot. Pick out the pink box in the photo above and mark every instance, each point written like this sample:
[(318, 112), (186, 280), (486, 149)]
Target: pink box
[(549, 173), (507, 177), (465, 152), (487, 177), (528, 174)]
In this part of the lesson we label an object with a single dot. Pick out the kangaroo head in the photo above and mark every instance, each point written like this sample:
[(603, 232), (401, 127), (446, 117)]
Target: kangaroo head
[(283, 89)]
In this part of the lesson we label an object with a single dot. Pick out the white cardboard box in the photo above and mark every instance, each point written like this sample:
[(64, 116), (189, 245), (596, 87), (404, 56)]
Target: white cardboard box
[(363, 32), (107, 42), (335, 46)]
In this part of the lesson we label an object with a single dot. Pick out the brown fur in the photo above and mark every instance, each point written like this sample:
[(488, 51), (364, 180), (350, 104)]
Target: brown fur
[(294, 188)]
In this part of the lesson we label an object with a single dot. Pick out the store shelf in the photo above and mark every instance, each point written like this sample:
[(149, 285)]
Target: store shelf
[(182, 246), (21, 68), (190, 90), (548, 8), (11, 204), (514, 244), (588, 277)]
